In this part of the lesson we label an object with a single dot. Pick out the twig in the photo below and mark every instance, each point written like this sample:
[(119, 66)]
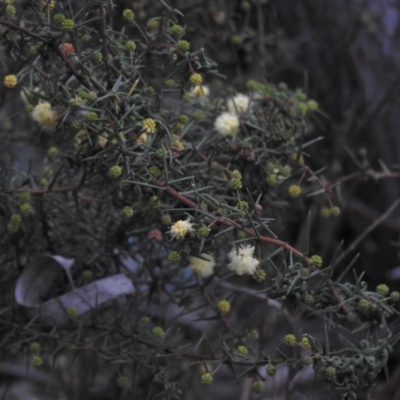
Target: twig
[(226, 222), (368, 231), (103, 35)]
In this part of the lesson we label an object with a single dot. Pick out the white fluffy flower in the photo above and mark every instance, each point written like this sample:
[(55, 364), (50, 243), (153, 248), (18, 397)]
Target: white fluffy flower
[(199, 91), (227, 124), (239, 104), (180, 229), (45, 115), (202, 267), (242, 260)]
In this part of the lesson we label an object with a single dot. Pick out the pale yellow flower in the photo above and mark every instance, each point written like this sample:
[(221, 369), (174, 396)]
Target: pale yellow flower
[(227, 124), (242, 260), (10, 81), (45, 115), (149, 125), (180, 229), (199, 91), (142, 138), (239, 104), (202, 267)]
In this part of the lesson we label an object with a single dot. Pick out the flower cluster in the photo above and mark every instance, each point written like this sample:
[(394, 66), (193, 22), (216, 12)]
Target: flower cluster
[(242, 260)]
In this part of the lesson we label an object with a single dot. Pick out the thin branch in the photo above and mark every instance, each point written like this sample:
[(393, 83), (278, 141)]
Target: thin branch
[(367, 231)]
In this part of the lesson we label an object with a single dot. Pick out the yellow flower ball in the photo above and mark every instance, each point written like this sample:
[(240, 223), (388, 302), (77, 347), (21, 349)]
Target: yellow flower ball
[(10, 81)]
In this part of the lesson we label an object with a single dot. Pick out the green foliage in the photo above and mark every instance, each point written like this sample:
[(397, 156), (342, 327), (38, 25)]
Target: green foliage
[(138, 181)]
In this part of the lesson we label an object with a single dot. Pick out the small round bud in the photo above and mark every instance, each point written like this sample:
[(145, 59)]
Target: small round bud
[(37, 361), (166, 219), (87, 275), (363, 304), (11, 11), (236, 39), (58, 19), (285, 171), (252, 85), (253, 335), (158, 332), (48, 5), (312, 105), (242, 205), (270, 369), (330, 373), (127, 212), (52, 152), (24, 197), (34, 347), (25, 209), (154, 171), (307, 360), (122, 381), (382, 289), (283, 86), (271, 180), (114, 172), (305, 272), (98, 57), (294, 191), (176, 30), (91, 114), (174, 257), (206, 379), (130, 45), (235, 183), (302, 107), (352, 317), (394, 296), (128, 15), (149, 90), (224, 306), (183, 119), (301, 96), (67, 49), (10, 81), (235, 174), (290, 340), (15, 219), (242, 351), (316, 261), (305, 342), (153, 24), (257, 387), (335, 211), (76, 101), (149, 125), (308, 299), (171, 84), (203, 232), (67, 24), (196, 79), (259, 275), (183, 45), (72, 312)]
